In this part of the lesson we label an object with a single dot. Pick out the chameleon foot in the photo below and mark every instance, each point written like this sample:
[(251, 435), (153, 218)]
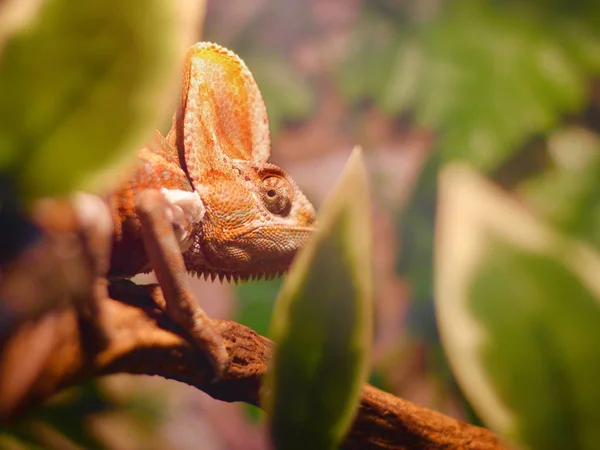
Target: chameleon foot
[(164, 254)]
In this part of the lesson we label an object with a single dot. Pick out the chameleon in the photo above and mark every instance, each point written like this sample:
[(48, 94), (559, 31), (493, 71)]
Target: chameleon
[(205, 200)]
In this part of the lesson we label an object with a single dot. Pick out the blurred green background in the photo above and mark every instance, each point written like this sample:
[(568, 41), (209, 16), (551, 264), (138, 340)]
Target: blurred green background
[(513, 87)]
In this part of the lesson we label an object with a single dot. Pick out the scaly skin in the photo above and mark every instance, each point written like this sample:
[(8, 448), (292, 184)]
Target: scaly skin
[(255, 217)]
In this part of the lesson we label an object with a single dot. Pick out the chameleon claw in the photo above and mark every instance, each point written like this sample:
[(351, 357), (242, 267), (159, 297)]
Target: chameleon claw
[(217, 355), (211, 345)]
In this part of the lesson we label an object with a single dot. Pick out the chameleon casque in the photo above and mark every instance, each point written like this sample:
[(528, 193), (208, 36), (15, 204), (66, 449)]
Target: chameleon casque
[(204, 199)]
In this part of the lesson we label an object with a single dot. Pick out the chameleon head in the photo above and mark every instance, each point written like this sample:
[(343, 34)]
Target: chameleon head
[(255, 217), (255, 222)]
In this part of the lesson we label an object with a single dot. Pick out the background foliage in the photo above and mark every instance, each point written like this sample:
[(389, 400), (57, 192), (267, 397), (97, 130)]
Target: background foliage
[(510, 87)]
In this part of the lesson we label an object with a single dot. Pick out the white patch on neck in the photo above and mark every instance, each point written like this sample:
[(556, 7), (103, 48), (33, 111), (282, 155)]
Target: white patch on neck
[(192, 207), (190, 203)]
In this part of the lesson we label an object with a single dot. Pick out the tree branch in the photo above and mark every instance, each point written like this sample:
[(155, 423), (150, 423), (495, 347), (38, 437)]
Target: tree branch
[(140, 339)]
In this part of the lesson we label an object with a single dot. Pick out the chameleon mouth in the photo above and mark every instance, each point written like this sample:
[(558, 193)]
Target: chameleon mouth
[(240, 277)]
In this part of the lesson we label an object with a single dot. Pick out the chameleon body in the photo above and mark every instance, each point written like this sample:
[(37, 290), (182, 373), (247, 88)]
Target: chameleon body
[(238, 216), (205, 200)]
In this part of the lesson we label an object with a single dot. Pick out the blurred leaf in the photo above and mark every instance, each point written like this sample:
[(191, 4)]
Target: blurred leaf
[(287, 94), (415, 229), (487, 75), (74, 419), (568, 195), (253, 413), (490, 92), (371, 56), (383, 61), (255, 304), (378, 379), (149, 411), (323, 323), (399, 91), (254, 309), (66, 416), (14, 15), (416, 233), (81, 88), (518, 309)]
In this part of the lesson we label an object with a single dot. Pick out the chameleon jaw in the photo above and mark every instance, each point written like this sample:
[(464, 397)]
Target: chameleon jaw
[(240, 258), (199, 265)]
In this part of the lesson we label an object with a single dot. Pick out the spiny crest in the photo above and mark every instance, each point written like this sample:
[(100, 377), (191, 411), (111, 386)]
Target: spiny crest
[(239, 277)]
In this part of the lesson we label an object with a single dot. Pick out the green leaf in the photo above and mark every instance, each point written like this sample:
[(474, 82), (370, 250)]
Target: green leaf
[(370, 60), (67, 416), (568, 194), (255, 304), (14, 15), (496, 74), (275, 76), (323, 323), (82, 85), (485, 75), (518, 307), (254, 309), (399, 91)]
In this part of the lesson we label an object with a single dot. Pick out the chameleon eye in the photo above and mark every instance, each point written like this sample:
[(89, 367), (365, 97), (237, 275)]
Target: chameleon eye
[(276, 194)]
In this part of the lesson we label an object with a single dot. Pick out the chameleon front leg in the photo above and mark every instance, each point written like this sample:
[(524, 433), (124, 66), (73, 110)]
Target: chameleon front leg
[(158, 218), (95, 227)]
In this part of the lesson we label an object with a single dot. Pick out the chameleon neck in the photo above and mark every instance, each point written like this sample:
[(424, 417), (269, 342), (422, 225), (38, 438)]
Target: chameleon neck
[(158, 166)]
